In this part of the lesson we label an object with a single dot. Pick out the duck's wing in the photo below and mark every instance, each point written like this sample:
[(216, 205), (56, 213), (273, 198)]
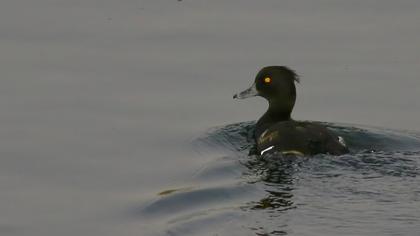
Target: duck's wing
[(327, 140)]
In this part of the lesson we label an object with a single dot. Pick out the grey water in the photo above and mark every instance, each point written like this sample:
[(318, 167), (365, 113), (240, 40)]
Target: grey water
[(117, 117)]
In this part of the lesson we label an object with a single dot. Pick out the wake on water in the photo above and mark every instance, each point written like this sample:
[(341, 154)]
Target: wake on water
[(371, 190)]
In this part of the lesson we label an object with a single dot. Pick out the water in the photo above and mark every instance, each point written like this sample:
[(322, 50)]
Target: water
[(117, 118), (371, 191)]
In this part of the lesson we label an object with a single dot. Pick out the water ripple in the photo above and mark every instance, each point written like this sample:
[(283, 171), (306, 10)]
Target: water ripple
[(240, 193)]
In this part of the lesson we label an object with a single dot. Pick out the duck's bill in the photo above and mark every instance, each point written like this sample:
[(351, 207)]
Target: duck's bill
[(251, 92)]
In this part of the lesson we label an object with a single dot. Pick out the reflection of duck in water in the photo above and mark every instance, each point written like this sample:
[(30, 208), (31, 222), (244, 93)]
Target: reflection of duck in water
[(276, 130), (277, 176)]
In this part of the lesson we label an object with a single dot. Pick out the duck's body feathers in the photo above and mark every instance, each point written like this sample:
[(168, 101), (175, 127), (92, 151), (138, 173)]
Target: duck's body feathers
[(306, 138)]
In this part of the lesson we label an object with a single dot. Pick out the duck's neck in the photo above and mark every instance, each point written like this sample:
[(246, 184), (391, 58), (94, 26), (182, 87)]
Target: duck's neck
[(276, 112), (279, 111)]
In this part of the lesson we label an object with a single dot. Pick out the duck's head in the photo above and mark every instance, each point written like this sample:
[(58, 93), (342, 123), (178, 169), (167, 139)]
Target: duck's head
[(277, 85)]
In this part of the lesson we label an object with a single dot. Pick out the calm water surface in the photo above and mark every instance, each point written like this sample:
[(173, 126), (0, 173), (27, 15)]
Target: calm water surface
[(116, 118)]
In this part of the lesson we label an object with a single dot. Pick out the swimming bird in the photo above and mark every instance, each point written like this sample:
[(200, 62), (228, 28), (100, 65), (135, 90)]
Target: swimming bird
[(276, 131)]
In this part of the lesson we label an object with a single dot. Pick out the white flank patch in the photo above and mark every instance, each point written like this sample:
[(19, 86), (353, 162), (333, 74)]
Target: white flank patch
[(267, 149), (341, 140)]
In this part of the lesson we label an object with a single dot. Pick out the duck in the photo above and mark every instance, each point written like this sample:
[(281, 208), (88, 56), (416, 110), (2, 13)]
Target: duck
[(276, 131)]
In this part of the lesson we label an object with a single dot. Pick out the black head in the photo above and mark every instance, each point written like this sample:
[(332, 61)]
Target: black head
[(277, 85)]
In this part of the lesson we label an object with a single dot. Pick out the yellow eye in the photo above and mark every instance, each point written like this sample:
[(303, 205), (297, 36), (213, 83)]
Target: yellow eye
[(267, 80)]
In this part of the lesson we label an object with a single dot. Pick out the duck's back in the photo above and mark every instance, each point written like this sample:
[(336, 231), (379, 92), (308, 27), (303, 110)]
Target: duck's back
[(299, 138)]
